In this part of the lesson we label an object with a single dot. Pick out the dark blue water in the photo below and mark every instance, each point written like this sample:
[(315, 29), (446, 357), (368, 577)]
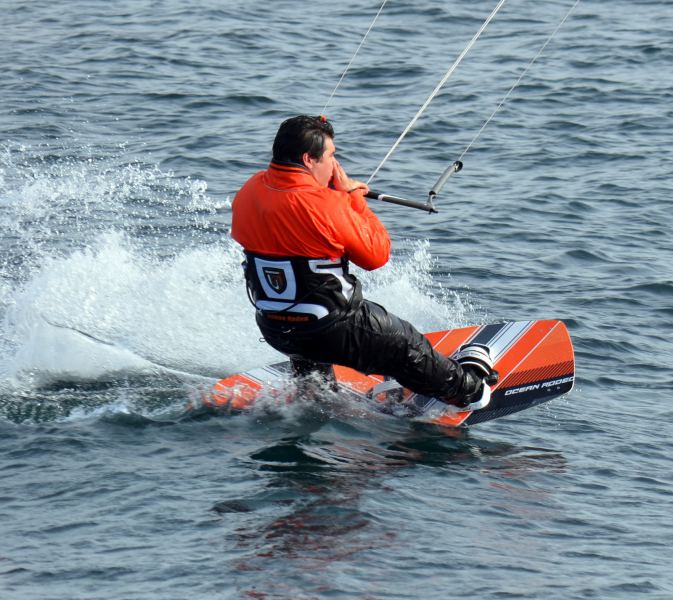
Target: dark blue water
[(125, 130)]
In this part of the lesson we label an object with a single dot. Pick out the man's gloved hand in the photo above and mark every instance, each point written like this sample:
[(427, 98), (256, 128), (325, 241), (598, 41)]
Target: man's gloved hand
[(477, 365)]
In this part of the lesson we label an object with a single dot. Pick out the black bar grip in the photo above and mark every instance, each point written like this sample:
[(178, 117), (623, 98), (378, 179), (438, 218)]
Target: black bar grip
[(427, 206), (450, 170)]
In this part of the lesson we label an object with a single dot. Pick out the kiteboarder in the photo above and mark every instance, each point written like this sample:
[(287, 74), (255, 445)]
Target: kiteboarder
[(300, 222)]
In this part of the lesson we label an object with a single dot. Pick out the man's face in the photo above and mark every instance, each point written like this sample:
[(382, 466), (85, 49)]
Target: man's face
[(323, 168)]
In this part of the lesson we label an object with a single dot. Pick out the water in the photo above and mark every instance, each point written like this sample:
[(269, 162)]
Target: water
[(126, 129)]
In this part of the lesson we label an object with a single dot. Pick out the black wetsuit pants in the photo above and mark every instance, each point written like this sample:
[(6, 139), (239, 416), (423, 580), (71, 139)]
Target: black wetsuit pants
[(371, 340)]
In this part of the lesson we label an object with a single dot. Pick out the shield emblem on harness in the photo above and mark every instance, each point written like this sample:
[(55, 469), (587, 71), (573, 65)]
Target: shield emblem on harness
[(276, 279)]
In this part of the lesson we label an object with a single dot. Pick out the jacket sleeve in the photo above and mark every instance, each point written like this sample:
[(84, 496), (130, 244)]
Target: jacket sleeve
[(365, 239)]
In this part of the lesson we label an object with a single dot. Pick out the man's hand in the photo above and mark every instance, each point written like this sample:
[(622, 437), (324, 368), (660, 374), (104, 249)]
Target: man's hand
[(343, 183)]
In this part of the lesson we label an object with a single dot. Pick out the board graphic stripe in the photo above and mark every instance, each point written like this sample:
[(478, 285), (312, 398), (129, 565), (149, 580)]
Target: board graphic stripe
[(511, 360), (514, 369), (487, 333), (454, 339), (438, 342), (506, 338), (558, 370)]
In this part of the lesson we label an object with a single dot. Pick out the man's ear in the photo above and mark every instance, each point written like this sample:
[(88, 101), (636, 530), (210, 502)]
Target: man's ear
[(308, 160)]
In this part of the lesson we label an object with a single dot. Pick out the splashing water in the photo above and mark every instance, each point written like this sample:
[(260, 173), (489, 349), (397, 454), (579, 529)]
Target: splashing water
[(51, 203)]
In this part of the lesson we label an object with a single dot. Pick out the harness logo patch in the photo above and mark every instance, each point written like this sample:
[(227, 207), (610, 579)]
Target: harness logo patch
[(276, 279)]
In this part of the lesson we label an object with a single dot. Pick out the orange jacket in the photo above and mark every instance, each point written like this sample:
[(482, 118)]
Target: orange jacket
[(284, 211)]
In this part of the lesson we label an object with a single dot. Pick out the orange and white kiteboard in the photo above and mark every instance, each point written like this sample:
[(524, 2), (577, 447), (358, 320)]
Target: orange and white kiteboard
[(535, 361)]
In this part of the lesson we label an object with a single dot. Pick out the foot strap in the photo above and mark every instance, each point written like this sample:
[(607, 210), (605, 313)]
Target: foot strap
[(482, 402)]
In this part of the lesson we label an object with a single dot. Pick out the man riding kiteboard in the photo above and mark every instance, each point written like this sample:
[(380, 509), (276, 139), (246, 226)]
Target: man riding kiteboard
[(301, 222)]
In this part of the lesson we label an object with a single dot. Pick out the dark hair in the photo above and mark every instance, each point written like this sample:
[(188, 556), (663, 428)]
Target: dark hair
[(301, 134)]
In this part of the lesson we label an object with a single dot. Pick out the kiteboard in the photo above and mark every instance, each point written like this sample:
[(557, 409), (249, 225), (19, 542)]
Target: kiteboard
[(535, 361)]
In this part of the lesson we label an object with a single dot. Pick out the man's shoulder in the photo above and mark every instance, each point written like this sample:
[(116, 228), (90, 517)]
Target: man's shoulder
[(256, 176), (253, 181)]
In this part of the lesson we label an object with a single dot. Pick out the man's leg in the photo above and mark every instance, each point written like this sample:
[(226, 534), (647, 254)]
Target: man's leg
[(389, 345), (372, 340)]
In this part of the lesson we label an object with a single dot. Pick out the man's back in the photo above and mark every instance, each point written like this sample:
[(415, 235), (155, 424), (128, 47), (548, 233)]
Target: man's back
[(283, 211)]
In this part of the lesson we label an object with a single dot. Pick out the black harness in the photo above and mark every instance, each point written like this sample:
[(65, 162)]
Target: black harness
[(300, 291)]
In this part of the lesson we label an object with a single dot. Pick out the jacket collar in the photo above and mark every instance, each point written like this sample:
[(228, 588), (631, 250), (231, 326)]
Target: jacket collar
[(286, 175)]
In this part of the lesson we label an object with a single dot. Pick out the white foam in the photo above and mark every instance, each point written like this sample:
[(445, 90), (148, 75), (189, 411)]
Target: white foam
[(189, 313), (405, 286)]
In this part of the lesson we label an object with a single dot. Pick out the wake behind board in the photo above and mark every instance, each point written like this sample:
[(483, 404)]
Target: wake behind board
[(534, 358)]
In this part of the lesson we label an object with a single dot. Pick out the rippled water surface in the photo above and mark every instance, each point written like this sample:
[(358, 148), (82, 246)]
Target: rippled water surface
[(125, 130)]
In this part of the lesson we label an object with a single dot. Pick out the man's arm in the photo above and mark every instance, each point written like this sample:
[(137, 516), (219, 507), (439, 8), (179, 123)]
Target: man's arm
[(364, 237)]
